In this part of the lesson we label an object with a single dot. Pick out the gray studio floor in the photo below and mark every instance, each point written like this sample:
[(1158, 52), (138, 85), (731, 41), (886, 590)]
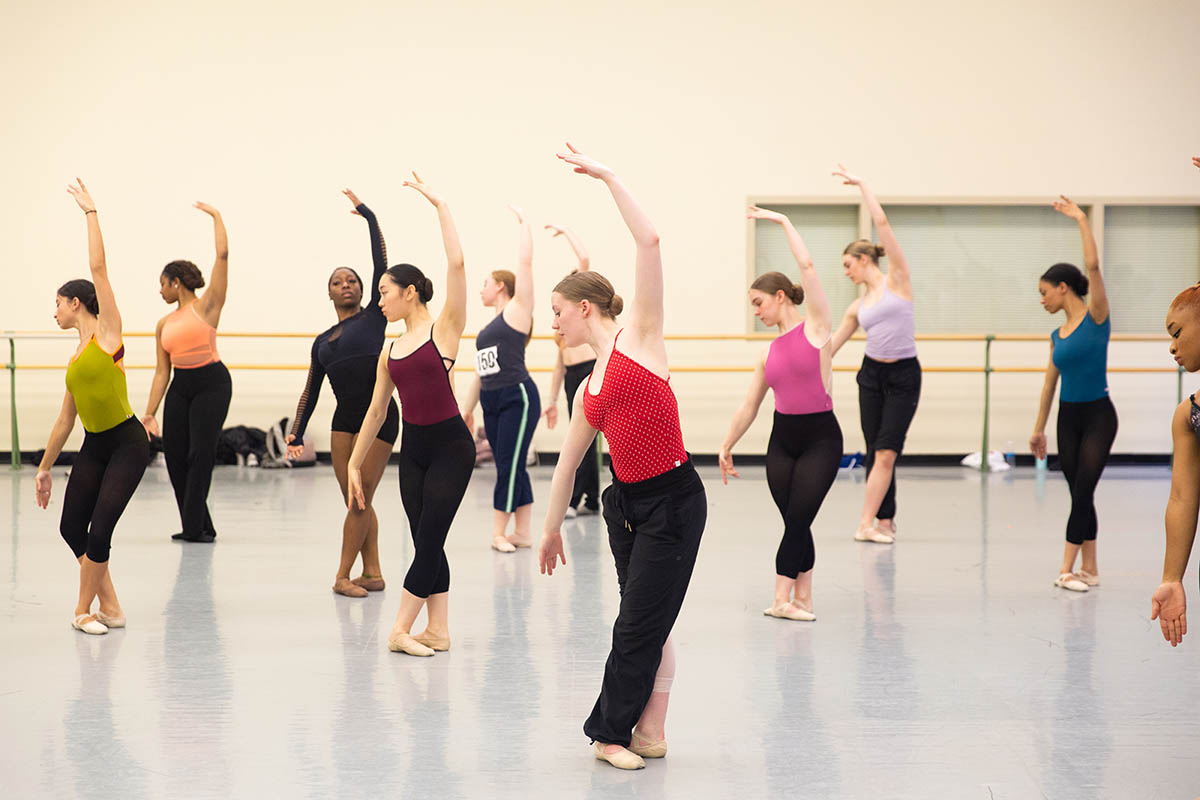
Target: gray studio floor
[(945, 667)]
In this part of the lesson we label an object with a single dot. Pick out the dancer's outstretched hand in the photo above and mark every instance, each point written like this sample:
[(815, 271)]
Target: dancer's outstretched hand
[(1169, 607), (354, 201), (1065, 205), (207, 209), (847, 177), (584, 165), (354, 489), (1196, 162), (423, 188), (41, 488), (754, 212), (725, 459), (555, 230), (550, 552), (520, 214), (82, 196), (1037, 445)]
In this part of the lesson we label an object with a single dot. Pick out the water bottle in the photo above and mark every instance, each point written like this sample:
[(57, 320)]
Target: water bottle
[(1040, 463)]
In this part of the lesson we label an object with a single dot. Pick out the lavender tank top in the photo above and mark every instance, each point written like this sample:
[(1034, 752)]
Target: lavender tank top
[(423, 382), (890, 328), (793, 371)]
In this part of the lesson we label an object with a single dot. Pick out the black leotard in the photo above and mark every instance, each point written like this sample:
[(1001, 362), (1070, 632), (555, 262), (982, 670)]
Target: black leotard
[(348, 353)]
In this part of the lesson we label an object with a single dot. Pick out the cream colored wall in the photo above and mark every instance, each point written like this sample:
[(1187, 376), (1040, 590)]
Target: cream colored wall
[(268, 113)]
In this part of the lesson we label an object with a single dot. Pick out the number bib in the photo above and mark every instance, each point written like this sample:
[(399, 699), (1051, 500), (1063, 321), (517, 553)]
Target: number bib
[(487, 361)]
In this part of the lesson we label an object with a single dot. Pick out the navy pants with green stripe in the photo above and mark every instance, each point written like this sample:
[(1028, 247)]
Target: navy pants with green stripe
[(509, 418)]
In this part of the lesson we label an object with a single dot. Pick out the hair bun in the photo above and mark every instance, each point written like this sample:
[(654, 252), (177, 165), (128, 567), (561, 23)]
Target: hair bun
[(616, 305), (427, 291), (879, 251)]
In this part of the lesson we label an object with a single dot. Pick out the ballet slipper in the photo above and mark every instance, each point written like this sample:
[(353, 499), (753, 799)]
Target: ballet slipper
[(647, 748), (873, 535), (1070, 582), (348, 588), (503, 545), (621, 759), (405, 643), (372, 584), (1090, 578), (110, 622), (440, 644), (88, 624), (789, 611), (520, 541)]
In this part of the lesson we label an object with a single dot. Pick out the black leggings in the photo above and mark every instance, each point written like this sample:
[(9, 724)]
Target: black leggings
[(887, 401), (193, 414), (510, 416), (654, 529), (587, 474), (1085, 437), (436, 462), (803, 457), (103, 478)]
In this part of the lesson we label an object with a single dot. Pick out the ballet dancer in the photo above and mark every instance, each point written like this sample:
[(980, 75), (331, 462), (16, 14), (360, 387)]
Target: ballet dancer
[(1087, 421), (655, 508), (1169, 602), (198, 398), (437, 453), (805, 448), (572, 365), (347, 354), (115, 448), (889, 380), (509, 397)]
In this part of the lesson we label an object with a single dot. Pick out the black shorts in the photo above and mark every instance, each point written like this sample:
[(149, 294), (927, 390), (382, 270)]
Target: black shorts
[(349, 420)]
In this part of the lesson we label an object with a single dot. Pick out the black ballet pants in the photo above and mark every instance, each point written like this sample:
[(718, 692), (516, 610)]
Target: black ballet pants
[(654, 528), (1085, 437), (105, 474), (436, 462), (587, 474), (887, 401), (803, 456), (193, 413)]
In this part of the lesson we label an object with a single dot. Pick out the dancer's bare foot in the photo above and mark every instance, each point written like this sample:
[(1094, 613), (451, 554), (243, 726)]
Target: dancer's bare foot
[(503, 545), (520, 540)]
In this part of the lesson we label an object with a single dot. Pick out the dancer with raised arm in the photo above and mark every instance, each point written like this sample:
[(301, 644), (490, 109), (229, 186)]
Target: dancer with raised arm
[(198, 400), (347, 353), (509, 397), (572, 365), (437, 453), (889, 381), (805, 448), (655, 509), (1087, 420), (115, 449)]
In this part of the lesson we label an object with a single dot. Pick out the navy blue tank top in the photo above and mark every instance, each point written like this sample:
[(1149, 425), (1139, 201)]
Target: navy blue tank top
[(1082, 360), (500, 355)]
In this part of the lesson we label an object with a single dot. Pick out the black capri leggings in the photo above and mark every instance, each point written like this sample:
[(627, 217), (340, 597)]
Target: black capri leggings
[(587, 474), (1085, 437), (105, 474), (887, 401), (193, 414), (654, 529), (803, 457), (436, 462)]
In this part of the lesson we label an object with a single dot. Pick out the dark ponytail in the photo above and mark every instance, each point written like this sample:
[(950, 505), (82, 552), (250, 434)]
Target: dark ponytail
[(82, 290), (405, 275), (1069, 274), (772, 282)]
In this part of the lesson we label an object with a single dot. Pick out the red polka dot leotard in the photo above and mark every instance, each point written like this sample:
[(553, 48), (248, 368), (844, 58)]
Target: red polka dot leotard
[(638, 414)]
